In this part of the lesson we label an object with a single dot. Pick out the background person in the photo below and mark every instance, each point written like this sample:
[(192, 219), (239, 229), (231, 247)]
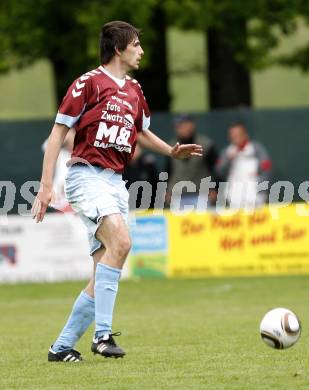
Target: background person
[(142, 168), (191, 169), (244, 164)]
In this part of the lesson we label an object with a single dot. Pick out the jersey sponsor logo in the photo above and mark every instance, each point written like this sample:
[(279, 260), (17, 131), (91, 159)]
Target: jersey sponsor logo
[(122, 101), (104, 145), (122, 93), (112, 107), (115, 136), (111, 117), (128, 121), (113, 114), (129, 118)]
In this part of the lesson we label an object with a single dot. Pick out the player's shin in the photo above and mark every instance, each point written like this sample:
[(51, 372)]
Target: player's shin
[(106, 287), (81, 317)]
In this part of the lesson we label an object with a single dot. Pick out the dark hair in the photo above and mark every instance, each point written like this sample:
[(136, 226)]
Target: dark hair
[(238, 124), (183, 117), (116, 35)]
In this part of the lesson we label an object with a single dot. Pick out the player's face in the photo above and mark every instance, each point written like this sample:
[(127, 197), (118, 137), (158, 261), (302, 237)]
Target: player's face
[(132, 55)]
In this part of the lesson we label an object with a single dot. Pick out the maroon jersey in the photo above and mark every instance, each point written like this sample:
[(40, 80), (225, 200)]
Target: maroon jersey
[(107, 113)]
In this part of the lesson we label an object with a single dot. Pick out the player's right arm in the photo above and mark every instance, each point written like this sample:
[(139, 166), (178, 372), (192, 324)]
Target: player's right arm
[(70, 110), (44, 196)]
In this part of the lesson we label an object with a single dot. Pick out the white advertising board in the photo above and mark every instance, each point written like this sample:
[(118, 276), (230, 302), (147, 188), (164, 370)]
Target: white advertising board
[(54, 250)]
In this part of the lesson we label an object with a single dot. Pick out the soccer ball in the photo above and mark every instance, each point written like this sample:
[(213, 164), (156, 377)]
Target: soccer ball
[(280, 328)]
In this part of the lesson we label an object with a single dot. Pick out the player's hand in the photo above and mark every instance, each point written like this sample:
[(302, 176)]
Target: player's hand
[(186, 150), (41, 202)]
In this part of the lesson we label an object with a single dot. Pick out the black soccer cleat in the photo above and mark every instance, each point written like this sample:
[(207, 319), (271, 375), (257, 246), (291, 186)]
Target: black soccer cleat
[(107, 347), (65, 356)]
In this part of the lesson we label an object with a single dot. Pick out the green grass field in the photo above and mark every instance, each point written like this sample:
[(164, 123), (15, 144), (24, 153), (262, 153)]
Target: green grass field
[(178, 334)]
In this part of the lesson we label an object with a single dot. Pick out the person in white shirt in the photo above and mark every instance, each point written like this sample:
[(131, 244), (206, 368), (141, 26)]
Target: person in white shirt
[(244, 163)]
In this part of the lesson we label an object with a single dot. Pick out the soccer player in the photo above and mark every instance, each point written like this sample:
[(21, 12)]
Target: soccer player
[(110, 114)]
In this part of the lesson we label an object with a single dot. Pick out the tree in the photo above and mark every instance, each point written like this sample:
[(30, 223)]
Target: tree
[(240, 37), (154, 77), (299, 57), (66, 33), (228, 78), (43, 29)]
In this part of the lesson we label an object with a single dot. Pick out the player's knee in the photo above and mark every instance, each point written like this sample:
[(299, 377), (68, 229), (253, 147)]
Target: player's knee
[(121, 248)]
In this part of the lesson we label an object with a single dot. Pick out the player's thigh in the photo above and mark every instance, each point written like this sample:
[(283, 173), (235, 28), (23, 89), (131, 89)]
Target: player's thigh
[(113, 232)]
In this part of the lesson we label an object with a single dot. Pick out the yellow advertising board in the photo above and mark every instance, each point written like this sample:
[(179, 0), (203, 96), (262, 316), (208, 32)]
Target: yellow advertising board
[(260, 242)]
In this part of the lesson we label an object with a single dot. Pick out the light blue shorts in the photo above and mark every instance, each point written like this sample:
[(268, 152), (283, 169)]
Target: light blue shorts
[(93, 193)]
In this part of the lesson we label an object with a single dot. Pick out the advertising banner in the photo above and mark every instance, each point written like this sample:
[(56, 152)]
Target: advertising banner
[(54, 250), (240, 244), (189, 245), (149, 246)]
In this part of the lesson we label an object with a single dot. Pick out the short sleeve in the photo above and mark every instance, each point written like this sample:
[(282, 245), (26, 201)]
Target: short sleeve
[(143, 118), (74, 102)]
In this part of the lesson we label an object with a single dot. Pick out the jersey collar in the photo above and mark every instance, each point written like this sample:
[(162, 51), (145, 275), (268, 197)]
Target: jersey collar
[(119, 82)]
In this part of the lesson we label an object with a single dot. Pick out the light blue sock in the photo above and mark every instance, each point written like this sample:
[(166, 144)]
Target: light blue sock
[(105, 291), (81, 317)]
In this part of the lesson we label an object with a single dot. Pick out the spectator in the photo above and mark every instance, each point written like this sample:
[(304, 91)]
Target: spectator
[(192, 169), (142, 168), (244, 164)]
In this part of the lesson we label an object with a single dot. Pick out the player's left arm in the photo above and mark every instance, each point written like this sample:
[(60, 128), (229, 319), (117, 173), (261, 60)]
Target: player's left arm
[(147, 139)]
